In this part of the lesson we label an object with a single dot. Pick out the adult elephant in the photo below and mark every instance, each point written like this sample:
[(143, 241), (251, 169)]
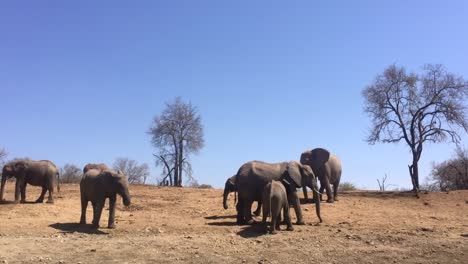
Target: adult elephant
[(41, 173), (229, 187), (95, 166), (327, 167), (253, 176)]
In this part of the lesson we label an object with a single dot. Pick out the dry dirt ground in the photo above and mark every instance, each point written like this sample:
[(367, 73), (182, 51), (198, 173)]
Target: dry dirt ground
[(184, 225)]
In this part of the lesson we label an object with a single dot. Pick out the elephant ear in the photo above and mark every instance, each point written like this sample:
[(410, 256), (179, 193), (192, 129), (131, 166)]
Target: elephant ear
[(20, 166), (294, 172), (319, 157)]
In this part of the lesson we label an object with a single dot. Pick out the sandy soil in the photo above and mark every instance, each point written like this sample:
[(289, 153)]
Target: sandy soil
[(183, 225)]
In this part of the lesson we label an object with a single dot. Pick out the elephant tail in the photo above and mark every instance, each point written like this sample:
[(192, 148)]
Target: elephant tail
[(58, 181), (269, 199)]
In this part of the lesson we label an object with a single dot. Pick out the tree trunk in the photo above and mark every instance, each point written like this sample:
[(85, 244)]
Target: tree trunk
[(181, 163), (176, 168), (414, 173)]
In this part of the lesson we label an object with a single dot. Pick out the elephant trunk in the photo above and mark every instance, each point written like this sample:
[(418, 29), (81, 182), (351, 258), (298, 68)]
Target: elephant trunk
[(126, 198), (316, 196), (225, 196), (2, 190)]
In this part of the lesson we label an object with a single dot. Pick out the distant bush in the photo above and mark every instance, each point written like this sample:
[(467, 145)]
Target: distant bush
[(70, 173), (451, 174), (204, 186), (347, 186)]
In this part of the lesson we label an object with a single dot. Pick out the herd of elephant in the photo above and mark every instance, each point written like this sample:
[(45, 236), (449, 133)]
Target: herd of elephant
[(273, 186), (97, 184)]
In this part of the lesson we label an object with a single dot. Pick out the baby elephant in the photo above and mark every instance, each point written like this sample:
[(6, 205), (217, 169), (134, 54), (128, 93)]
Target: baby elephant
[(96, 186), (275, 199)]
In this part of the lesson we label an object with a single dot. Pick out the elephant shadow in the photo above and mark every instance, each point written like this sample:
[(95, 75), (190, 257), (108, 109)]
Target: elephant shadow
[(252, 231), (4, 202), (221, 223), (216, 217), (76, 227)]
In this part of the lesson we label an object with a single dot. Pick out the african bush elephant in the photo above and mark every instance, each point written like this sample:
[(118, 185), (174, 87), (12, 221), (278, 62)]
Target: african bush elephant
[(41, 173), (327, 167), (229, 187), (96, 186), (275, 199), (97, 166), (253, 176)]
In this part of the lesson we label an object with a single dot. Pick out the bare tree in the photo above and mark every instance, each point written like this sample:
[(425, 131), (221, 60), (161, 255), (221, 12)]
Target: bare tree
[(453, 173), (382, 183), (70, 173), (3, 154), (416, 109), (136, 173), (176, 133)]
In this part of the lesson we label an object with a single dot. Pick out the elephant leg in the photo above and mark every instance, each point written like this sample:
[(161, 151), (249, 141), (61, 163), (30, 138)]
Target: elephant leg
[(275, 219), (50, 199), (322, 188), (329, 192), (240, 213), (23, 192), (248, 212), (266, 212), (97, 211), (278, 222), (294, 199), (304, 190), (111, 223), (84, 205), (335, 190), (287, 218), (41, 197), (17, 190), (259, 208)]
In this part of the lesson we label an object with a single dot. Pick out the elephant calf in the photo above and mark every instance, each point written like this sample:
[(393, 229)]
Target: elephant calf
[(275, 199), (229, 187), (96, 186)]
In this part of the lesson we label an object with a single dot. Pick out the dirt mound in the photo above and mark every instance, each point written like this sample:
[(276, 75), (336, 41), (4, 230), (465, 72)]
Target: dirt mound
[(183, 225)]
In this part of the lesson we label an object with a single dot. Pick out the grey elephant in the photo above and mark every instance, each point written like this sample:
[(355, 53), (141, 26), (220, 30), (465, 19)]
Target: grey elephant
[(97, 166), (253, 176), (229, 187), (96, 186), (41, 173), (275, 199), (327, 167)]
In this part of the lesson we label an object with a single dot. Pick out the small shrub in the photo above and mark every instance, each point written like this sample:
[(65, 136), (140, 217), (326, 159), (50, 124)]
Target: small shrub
[(205, 186), (347, 186)]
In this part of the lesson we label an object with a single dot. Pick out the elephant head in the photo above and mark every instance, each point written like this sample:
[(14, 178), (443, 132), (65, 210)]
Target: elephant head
[(299, 174), (7, 172), (20, 168), (119, 185), (97, 166), (315, 158), (229, 187), (303, 175)]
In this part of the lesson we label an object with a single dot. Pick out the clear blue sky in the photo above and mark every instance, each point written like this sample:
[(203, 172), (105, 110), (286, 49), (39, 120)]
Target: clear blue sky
[(80, 81)]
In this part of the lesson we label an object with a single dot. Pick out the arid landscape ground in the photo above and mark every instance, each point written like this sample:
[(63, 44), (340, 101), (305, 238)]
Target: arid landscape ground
[(185, 225)]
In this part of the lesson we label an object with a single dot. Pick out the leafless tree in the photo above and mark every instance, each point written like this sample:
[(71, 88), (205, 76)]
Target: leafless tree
[(382, 183), (453, 173), (136, 173), (3, 154), (70, 173), (176, 133), (416, 109)]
